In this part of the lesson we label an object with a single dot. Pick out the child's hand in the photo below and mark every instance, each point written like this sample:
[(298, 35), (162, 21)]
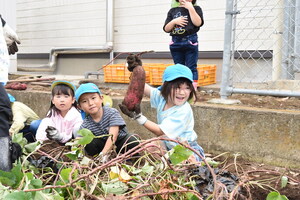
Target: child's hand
[(53, 134), (186, 4), (181, 21)]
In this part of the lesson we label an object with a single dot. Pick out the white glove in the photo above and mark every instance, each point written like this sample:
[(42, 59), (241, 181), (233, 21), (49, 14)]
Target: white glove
[(11, 39), (53, 134), (140, 118), (103, 157)]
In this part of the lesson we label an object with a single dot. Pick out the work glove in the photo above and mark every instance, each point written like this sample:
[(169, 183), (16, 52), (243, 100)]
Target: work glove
[(133, 61), (136, 114), (11, 39), (53, 134), (103, 158)]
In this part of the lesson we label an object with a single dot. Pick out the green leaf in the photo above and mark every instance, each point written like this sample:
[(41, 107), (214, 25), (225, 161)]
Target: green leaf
[(17, 138), (7, 178), (18, 174), (3, 191), (147, 168), (19, 196), (87, 136), (180, 154), (31, 146), (117, 187), (276, 196), (65, 173), (284, 181), (191, 196), (73, 155), (35, 184)]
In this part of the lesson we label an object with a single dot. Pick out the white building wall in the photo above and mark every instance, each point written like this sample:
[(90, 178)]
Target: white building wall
[(43, 24)]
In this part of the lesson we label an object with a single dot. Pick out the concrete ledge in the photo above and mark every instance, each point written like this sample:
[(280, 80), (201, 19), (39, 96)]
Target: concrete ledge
[(263, 135)]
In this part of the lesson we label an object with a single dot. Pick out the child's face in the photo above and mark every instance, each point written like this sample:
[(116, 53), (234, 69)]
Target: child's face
[(179, 95), (63, 102), (90, 103)]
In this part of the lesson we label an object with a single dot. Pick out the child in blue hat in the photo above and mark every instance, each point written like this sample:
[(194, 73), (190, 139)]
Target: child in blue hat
[(175, 118), (63, 119), (103, 120)]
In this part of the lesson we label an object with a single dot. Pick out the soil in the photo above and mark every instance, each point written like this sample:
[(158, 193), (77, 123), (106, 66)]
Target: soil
[(256, 172), (264, 178)]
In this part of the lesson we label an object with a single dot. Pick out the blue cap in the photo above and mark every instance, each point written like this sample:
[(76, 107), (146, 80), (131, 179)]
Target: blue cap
[(86, 88), (11, 98), (177, 71), (68, 83)]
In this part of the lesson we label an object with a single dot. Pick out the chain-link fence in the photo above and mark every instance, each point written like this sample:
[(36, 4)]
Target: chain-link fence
[(262, 48)]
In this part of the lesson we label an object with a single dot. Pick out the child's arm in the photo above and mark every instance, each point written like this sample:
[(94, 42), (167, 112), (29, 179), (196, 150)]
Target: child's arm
[(113, 132), (154, 128), (18, 122), (196, 19), (180, 21), (147, 90)]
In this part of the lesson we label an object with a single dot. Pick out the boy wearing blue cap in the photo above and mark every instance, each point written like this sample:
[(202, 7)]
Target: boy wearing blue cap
[(102, 121), (175, 118)]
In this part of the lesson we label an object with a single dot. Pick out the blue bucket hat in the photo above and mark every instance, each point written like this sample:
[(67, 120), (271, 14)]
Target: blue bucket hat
[(177, 71), (86, 88), (11, 98), (68, 83)]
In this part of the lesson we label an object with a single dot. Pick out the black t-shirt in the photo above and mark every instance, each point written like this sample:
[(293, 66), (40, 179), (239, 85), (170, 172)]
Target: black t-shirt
[(190, 28)]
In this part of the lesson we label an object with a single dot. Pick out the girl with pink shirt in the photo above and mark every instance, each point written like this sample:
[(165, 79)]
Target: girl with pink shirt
[(63, 119)]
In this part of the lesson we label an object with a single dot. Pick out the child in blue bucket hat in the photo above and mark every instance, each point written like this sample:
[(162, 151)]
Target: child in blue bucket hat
[(103, 121), (175, 118)]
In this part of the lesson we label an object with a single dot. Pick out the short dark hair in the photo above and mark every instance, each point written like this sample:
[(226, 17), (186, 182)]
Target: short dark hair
[(169, 85), (193, 2)]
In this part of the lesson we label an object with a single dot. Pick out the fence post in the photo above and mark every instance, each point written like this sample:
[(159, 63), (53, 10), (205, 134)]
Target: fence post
[(224, 89)]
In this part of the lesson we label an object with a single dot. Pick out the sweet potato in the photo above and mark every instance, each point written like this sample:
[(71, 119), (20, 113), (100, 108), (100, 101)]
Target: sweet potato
[(135, 91), (16, 86)]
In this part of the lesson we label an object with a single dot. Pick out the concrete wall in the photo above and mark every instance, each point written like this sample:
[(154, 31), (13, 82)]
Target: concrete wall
[(264, 135)]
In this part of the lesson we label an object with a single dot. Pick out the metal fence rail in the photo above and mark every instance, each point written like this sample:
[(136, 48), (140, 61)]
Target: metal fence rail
[(261, 48)]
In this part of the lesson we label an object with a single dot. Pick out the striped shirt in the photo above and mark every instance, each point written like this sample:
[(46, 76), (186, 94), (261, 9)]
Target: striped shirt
[(111, 117)]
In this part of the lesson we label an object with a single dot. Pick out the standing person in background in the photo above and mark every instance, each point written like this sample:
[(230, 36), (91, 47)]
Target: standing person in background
[(63, 119), (183, 23), (8, 40), (22, 118)]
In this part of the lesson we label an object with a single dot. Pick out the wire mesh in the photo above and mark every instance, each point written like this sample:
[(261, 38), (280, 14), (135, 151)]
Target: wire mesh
[(265, 47)]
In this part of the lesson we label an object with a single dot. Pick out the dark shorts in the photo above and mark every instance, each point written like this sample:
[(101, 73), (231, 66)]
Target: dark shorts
[(123, 144)]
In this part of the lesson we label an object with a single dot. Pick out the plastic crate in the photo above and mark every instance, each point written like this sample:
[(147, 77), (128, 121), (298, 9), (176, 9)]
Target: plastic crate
[(118, 73), (156, 72), (206, 74)]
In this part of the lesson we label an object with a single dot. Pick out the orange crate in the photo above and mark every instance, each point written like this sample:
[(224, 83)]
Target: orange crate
[(206, 74), (156, 72), (118, 73)]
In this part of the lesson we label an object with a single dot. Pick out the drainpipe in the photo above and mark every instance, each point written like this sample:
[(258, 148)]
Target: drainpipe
[(107, 47)]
